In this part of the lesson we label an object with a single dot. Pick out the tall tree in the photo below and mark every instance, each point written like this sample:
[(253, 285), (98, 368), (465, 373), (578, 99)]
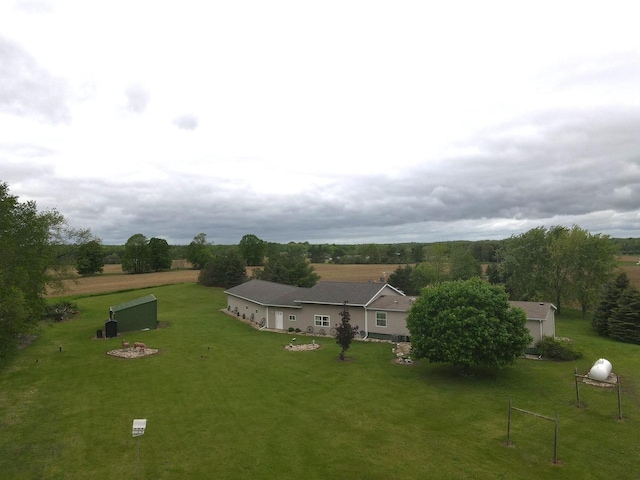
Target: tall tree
[(90, 258), (402, 279), (27, 265), (462, 264), (252, 249), (136, 254), (624, 323), (467, 323), (290, 267), (526, 265), (563, 246), (159, 254), (592, 268), (611, 293), (345, 332), (199, 251), (225, 270)]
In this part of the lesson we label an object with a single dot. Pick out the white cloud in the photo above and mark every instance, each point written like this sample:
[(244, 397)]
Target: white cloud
[(345, 120)]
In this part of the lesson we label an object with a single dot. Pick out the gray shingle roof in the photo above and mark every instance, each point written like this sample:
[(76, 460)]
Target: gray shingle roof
[(336, 293), (392, 303), (534, 310), (265, 293)]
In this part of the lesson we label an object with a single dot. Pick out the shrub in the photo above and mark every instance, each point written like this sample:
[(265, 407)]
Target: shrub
[(298, 330), (558, 349), (291, 329)]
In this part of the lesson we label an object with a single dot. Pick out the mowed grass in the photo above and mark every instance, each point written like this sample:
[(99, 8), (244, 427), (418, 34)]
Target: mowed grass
[(226, 401)]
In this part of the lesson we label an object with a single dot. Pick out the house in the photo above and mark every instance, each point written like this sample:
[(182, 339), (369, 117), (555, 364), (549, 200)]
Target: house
[(379, 310)]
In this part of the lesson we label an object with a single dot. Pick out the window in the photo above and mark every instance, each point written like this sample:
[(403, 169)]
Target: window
[(381, 319), (321, 320), (292, 318)]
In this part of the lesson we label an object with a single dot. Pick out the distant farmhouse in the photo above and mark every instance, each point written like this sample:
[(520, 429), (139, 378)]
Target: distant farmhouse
[(379, 310)]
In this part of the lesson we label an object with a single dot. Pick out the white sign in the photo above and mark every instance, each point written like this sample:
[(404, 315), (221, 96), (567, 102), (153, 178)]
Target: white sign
[(139, 424)]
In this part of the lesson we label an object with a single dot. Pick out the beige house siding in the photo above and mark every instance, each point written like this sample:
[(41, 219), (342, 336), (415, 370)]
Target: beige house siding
[(540, 315)]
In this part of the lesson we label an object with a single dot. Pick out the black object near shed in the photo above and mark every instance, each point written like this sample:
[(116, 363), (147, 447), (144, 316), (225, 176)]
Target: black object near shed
[(111, 328)]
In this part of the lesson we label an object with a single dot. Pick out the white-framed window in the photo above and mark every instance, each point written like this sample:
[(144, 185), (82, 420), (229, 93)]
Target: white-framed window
[(292, 318), (381, 319), (321, 320)]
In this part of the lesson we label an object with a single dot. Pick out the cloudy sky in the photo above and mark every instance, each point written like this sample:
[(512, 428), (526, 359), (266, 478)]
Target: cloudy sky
[(323, 121)]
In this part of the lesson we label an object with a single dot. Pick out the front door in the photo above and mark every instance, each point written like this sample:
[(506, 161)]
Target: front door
[(279, 321)]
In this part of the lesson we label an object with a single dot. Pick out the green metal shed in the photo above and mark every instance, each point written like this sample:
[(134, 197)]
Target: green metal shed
[(138, 314)]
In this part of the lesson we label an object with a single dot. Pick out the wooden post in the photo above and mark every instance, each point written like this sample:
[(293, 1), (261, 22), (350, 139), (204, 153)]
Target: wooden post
[(575, 376), (555, 444), (619, 399), (509, 425)]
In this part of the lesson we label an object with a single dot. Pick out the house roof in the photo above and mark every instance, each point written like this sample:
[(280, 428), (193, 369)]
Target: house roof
[(392, 303), (265, 293), (337, 293), (334, 293), (535, 310)]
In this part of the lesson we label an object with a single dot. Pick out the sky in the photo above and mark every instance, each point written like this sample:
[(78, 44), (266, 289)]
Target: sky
[(323, 121)]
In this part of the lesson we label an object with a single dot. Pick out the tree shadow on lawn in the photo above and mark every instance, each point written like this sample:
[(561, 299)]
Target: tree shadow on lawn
[(453, 373)]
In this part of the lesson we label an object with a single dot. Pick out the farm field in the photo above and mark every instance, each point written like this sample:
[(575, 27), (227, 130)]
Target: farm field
[(224, 400), (115, 280)]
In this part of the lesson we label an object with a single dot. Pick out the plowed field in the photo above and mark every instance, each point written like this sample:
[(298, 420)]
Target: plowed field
[(114, 279)]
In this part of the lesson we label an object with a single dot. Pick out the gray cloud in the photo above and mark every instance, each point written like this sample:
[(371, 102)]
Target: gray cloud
[(186, 122), (137, 98), (551, 168), (26, 89)]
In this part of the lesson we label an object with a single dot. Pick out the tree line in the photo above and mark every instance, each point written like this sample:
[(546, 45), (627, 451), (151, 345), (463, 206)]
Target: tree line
[(39, 249)]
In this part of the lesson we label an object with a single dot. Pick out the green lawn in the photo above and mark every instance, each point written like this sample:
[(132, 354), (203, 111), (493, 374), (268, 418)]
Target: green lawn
[(226, 401)]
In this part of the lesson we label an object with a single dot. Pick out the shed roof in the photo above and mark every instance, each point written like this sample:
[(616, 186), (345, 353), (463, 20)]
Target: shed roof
[(133, 303), (535, 310)]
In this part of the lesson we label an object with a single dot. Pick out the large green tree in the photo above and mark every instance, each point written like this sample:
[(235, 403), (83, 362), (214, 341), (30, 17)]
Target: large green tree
[(462, 264), (159, 254), (609, 297), (560, 264), (593, 267), (136, 254), (624, 323), (90, 258), (402, 279), (290, 267), (252, 249), (199, 251), (28, 263), (467, 323), (225, 270), (526, 265)]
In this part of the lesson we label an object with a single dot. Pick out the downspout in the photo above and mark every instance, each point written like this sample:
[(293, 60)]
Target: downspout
[(366, 324), (541, 330)]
